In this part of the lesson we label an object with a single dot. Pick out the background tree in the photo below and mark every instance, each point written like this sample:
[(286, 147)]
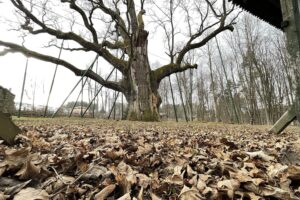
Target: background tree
[(125, 32)]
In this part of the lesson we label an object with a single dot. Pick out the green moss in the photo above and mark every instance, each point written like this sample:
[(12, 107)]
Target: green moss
[(133, 116), (163, 69), (149, 116)]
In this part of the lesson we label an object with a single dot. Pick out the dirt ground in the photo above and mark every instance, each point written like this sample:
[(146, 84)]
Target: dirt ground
[(76, 158)]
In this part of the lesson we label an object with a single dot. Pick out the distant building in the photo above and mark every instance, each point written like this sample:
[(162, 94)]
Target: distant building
[(6, 101), (77, 111)]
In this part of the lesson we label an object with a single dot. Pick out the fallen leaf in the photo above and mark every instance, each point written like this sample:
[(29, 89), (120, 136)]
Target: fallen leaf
[(31, 194), (154, 196), (261, 155), (189, 194), (29, 171), (230, 186), (94, 173), (11, 186), (105, 192), (125, 197)]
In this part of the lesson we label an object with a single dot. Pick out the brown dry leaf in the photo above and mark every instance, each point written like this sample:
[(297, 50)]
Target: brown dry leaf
[(155, 183), (11, 186), (124, 168), (14, 158), (125, 197), (194, 180), (190, 171), (257, 181), (219, 153), (143, 180), (230, 186), (241, 176), (285, 183), (124, 184), (145, 149), (275, 170), (175, 179), (260, 155), (113, 154), (105, 192), (109, 153), (294, 172), (210, 193), (154, 196), (201, 185), (2, 170), (270, 191), (177, 170), (32, 194), (249, 195), (2, 196), (140, 195), (60, 182), (250, 186), (290, 154), (94, 173), (29, 171), (204, 177), (189, 194)]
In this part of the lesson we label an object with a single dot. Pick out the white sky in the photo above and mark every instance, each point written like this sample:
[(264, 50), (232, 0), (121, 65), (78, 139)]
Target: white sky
[(41, 73)]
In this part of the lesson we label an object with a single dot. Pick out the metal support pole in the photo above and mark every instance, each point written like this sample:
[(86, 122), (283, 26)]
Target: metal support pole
[(175, 111), (77, 98), (122, 107), (95, 89), (113, 107), (191, 94), (181, 97), (97, 93), (53, 79), (115, 95), (23, 87), (81, 104), (74, 87)]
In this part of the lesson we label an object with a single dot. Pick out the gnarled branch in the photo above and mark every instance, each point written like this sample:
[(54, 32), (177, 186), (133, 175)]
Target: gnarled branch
[(191, 46), (119, 64), (14, 48), (169, 69)]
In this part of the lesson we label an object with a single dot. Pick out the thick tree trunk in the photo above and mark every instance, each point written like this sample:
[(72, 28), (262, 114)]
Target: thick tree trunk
[(143, 98)]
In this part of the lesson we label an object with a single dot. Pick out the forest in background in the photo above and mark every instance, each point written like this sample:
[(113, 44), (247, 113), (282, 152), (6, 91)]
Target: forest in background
[(243, 77)]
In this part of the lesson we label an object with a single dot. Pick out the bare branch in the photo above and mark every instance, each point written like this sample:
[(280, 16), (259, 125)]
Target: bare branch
[(169, 69), (87, 22), (14, 48), (121, 65), (222, 26), (115, 15), (132, 14)]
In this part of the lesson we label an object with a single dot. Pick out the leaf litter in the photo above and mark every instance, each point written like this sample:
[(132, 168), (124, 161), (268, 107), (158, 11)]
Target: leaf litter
[(92, 159)]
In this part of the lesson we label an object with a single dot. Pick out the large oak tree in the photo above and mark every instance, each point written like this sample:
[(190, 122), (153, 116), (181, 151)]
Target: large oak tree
[(126, 33)]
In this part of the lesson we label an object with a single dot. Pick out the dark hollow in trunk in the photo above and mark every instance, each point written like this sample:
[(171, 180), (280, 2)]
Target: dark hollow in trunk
[(143, 98)]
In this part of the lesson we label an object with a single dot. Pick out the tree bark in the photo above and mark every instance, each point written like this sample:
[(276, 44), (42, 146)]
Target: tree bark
[(143, 98)]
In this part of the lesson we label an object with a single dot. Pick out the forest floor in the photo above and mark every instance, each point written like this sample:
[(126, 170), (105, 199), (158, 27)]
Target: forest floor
[(100, 159)]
